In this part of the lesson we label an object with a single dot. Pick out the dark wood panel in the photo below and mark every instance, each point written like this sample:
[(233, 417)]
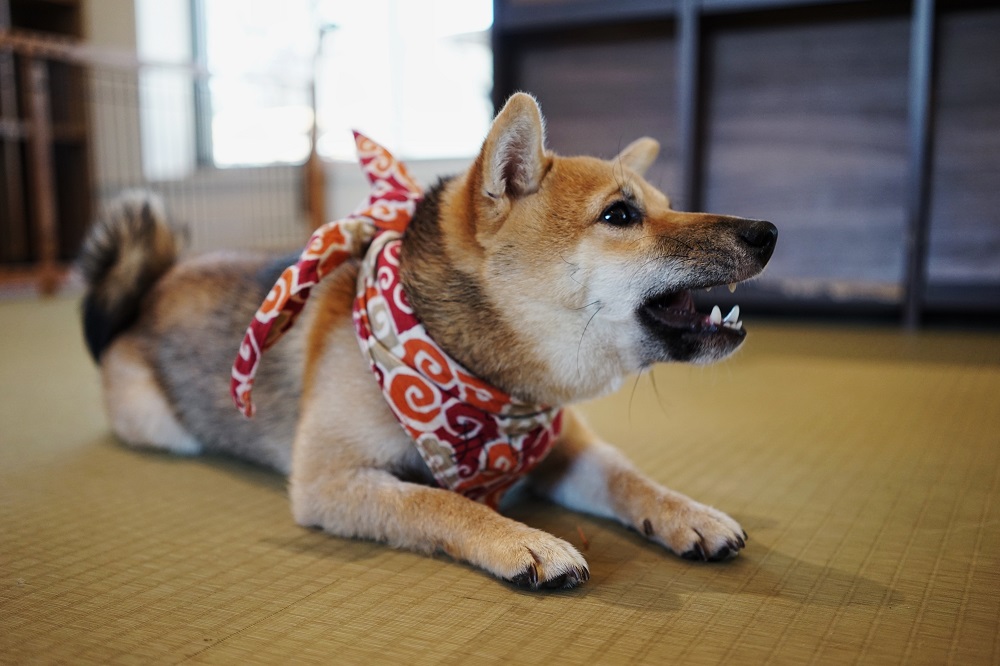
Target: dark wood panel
[(720, 6), (804, 121), (73, 203), (965, 195), (56, 17), (535, 15), (806, 126), (599, 93)]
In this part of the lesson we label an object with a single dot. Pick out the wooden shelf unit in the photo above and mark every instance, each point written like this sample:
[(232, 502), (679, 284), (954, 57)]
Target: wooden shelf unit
[(45, 162)]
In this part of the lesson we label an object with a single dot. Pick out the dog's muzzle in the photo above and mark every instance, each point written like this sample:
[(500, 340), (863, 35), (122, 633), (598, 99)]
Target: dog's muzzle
[(744, 248)]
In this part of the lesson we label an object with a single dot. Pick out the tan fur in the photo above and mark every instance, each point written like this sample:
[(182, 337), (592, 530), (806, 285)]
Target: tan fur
[(519, 277)]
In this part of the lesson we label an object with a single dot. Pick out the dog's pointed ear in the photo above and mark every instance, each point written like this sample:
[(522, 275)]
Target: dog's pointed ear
[(513, 159), (639, 155)]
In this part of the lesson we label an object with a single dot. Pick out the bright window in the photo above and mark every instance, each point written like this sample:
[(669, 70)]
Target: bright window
[(414, 75)]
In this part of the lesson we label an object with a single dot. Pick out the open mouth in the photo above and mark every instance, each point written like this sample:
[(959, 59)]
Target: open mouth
[(676, 310)]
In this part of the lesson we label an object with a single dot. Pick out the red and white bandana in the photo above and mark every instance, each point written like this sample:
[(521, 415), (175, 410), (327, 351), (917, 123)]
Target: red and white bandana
[(474, 438)]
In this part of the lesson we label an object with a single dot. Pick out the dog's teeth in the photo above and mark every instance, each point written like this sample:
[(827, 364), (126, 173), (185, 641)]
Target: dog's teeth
[(733, 316), (708, 289), (716, 316), (732, 287)]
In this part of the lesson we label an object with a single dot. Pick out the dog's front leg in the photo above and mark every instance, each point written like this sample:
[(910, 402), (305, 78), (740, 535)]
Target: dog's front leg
[(373, 504), (585, 474)]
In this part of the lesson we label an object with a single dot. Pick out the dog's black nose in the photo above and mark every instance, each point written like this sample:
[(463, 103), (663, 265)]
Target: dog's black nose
[(760, 237)]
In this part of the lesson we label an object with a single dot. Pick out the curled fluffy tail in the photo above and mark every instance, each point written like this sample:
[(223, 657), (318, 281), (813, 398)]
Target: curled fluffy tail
[(123, 255)]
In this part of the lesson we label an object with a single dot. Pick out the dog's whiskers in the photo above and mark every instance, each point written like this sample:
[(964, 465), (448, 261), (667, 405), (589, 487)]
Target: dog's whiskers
[(579, 345), (656, 391), (631, 397), (584, 307), (576, 269)]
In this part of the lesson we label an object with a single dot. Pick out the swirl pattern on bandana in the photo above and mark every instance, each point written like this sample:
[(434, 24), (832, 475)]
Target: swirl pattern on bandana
[(475, 439)]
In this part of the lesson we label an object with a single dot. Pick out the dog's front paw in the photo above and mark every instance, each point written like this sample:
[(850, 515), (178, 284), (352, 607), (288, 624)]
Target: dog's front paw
[(537, 560), (694, 531)]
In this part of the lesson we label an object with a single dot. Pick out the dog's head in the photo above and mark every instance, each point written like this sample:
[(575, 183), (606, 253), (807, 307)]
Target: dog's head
[(584, 265)]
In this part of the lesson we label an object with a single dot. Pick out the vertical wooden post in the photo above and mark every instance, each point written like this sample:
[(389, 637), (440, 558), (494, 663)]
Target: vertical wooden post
[(17, 249), (314, 175), (314, 178), (315, 185), (35, 73), (918, 178)]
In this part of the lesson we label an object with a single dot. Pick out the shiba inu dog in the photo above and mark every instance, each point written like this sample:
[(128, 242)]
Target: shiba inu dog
[(549, 278)]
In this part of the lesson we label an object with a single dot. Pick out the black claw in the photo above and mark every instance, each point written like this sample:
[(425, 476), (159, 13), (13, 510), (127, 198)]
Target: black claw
[(702, 546), (700, 551), (569, 579), (697, 553), (572, 578), (526, 579), (745, 537)]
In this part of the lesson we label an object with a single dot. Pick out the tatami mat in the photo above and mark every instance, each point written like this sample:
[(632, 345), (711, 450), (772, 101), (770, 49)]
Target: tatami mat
[(864, 463)]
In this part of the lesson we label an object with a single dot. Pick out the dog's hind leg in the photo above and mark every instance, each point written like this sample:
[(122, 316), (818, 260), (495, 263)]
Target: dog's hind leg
[(139, 411), (584, 474)]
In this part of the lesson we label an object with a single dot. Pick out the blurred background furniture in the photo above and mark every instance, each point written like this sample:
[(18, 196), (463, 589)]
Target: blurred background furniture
[(44, 148), (869, 132)]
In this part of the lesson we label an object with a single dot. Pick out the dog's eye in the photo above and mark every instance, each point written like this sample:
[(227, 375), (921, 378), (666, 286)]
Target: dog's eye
[(620, 214)]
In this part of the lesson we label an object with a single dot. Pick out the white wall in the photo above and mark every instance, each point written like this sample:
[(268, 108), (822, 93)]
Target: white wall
[(109, 23), (346, 186)]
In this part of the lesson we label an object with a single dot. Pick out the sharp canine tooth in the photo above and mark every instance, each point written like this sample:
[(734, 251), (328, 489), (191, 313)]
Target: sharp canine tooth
[(732, 287), (716, 316), (733, 315)]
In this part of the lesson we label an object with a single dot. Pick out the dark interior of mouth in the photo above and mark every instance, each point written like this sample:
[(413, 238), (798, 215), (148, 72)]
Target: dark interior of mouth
[(676, 310)]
